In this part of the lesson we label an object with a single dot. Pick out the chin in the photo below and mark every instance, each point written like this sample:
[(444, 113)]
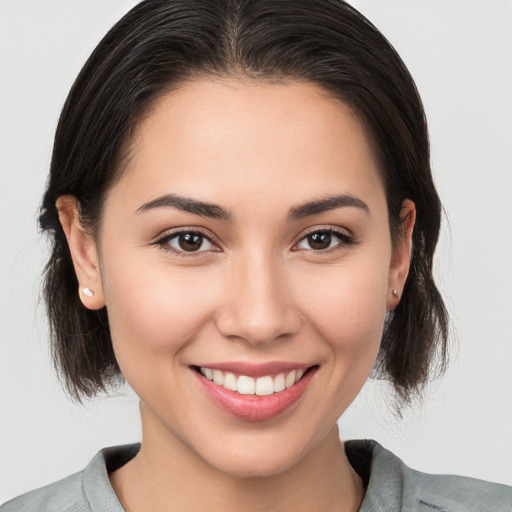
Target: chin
[(258, 454), (256, 465)]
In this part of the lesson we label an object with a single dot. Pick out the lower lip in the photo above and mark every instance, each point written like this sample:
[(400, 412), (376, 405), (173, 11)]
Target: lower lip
[(255, 407)]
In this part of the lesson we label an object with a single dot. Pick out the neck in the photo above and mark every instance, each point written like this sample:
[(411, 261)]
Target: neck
[(166, 475)]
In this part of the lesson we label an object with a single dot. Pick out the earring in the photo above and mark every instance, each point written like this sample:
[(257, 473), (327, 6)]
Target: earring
[(394, 293), (88, 292)]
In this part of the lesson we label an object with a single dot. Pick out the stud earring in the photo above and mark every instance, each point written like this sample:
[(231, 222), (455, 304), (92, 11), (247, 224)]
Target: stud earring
[(88, 292), (394, 293)]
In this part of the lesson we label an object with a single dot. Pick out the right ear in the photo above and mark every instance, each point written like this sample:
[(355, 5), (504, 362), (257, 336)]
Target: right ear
[(84, 253)]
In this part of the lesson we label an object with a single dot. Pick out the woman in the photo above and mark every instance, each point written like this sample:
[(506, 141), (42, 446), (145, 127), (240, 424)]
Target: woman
[(245, 188)]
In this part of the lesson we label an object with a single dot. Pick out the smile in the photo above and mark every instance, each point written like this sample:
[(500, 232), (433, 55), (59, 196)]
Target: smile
[(245, 385), (266, 393)]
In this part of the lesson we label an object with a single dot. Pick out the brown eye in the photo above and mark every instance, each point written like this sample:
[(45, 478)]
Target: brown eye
[(186, 241), (325, 239), (190, 241), (320, 240)]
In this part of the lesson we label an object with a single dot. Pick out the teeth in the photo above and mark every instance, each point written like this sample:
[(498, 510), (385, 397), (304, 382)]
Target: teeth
[(279, 384), (218, 377), (245, 385), (290, 379), (230, 382), (264, 386), (261, 386)]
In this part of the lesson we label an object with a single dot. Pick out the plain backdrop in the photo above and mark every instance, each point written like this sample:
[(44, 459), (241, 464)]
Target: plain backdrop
[(460, 55)]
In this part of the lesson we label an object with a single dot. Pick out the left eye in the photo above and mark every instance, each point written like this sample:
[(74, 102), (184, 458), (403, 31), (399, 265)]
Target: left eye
[(323, 240), (187, 241)]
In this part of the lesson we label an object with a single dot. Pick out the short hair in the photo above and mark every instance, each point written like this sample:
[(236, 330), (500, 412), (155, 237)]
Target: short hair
[(160, 45)]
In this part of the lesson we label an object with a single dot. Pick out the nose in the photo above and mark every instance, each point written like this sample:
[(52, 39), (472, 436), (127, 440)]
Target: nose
[(258, 307)]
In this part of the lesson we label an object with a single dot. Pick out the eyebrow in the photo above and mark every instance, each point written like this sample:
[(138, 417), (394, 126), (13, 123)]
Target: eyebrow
[(326, 204), (214, 211), (187, 204)]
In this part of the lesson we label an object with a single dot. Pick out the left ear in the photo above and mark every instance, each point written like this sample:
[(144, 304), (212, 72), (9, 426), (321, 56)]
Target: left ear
[(401, 257)]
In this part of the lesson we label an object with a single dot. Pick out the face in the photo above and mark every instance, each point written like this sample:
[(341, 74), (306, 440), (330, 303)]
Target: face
[(247, 242)]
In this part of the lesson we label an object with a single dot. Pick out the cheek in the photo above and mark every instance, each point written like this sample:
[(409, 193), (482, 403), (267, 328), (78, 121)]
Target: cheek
[(351, 303), (346, 307), (154, 310)]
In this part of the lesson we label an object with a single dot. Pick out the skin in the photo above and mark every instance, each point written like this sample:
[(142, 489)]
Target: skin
[(257, 293)]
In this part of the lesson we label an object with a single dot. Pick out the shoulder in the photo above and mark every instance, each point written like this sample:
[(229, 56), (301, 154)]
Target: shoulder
[(86, 491), (457, 493), (391, 485), (62, 496)]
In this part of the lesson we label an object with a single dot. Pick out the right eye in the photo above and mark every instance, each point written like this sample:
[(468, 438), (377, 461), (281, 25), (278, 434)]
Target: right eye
[(186, 242)]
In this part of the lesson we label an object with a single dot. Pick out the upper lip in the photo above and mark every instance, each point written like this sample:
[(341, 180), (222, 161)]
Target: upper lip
[(257, 370)]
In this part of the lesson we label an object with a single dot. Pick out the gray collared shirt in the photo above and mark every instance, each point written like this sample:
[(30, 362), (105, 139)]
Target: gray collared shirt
[(390, 486)]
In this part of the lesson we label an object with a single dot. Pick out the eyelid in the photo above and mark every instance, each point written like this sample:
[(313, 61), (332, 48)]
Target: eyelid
[(346, 238), (187, 229), (168, 234)]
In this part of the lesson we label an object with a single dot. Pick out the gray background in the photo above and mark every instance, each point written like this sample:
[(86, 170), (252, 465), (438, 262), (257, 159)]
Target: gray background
[(460, 55)]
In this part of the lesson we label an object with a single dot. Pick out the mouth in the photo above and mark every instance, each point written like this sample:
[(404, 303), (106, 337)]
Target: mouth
[(262, 395), (246, 385)]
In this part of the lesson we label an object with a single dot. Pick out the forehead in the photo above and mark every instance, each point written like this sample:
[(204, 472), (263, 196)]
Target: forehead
[(210, 136)]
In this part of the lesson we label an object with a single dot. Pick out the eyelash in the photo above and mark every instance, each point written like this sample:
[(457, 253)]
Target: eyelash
[(345, 240)]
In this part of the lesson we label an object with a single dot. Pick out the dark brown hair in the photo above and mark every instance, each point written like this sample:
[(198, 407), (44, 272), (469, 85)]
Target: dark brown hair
[(161, 44)]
